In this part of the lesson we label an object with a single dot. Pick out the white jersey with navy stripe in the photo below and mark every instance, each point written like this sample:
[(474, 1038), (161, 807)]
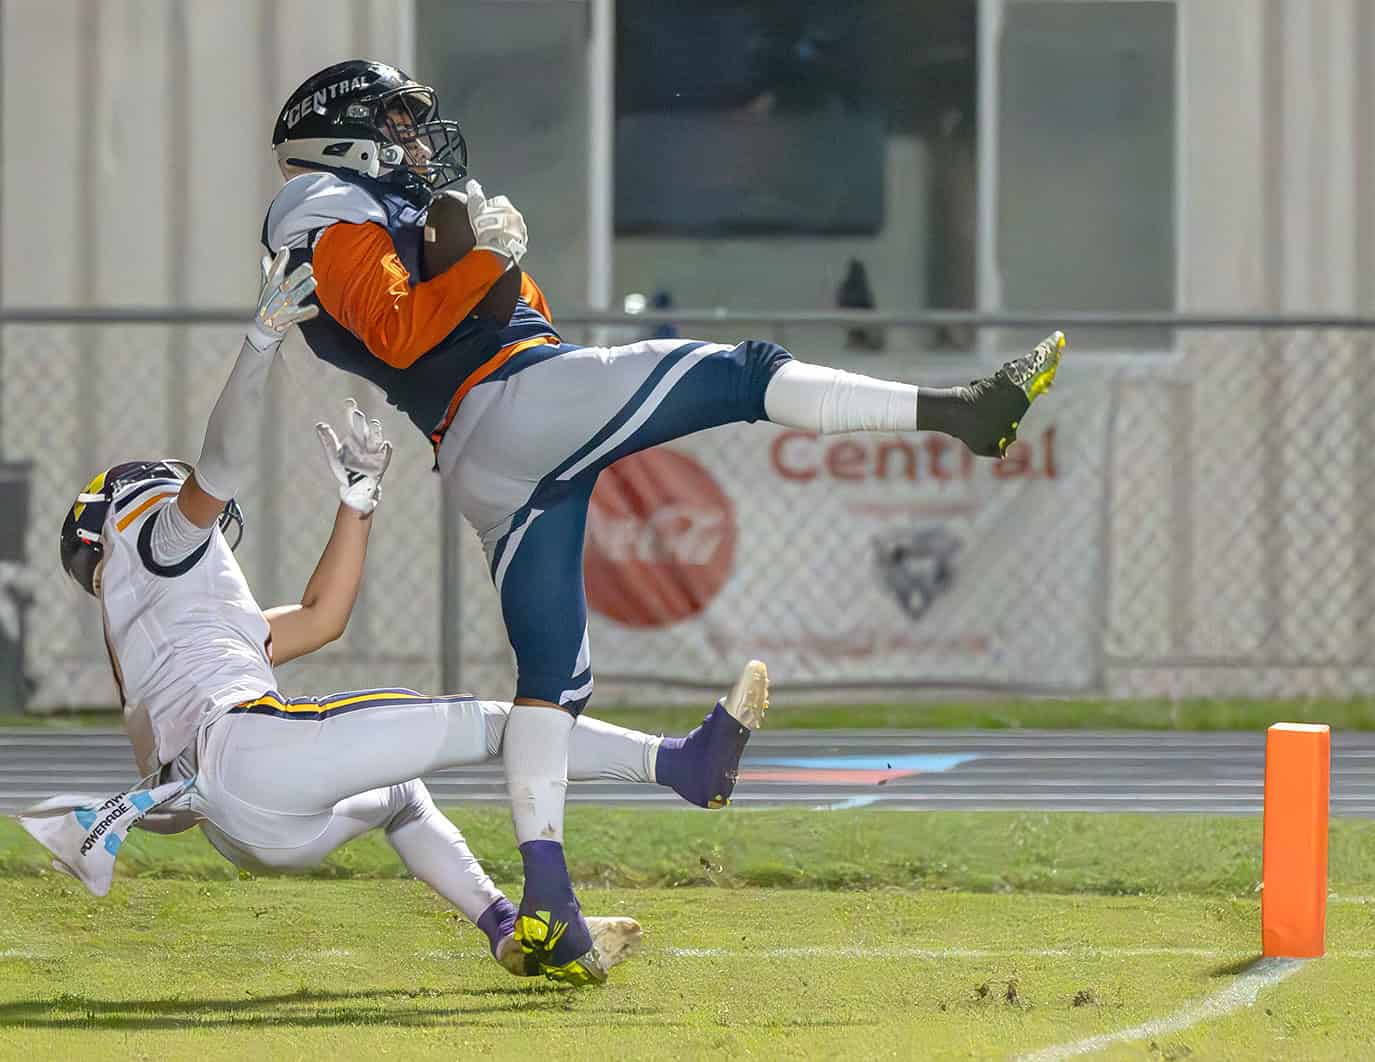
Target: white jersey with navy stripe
[(188, 640)]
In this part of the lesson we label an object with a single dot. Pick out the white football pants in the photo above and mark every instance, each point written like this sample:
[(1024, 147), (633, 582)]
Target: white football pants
[(281, 784)]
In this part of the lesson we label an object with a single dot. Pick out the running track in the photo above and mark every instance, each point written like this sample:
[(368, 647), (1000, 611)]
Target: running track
[(909, 770)]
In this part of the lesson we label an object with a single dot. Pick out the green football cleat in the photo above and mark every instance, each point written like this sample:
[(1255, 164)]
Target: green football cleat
[(998, 403)]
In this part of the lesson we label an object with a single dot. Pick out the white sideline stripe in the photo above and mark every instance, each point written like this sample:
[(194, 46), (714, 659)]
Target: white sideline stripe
[(858, 952), (1241, 993)]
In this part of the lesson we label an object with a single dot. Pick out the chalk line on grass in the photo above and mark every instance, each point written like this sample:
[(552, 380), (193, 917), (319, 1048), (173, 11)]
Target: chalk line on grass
[(1241, 993), (862, 952)]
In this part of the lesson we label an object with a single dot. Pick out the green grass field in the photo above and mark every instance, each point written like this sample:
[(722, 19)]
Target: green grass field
[(768, 935), (991, 713)]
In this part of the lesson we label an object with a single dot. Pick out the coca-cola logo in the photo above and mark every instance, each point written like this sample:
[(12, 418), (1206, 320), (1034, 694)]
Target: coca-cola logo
[(660, 540)]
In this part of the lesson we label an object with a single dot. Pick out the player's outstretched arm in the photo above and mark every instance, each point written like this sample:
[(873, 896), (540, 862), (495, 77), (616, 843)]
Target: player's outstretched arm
[(229, 452), (358, 464)]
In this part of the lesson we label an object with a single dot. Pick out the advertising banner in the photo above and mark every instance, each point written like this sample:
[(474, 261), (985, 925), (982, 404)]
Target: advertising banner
[(856, 560)]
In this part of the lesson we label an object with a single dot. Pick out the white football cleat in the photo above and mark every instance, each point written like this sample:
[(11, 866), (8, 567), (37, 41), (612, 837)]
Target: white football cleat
[(614, 939), (704, 765), (748, 700)]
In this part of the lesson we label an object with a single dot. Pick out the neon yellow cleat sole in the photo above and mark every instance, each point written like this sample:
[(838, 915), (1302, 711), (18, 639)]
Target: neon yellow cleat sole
[(1033, 374), (614, 939)]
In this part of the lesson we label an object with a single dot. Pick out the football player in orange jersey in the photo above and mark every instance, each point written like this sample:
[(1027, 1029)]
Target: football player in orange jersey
[(522, 422)]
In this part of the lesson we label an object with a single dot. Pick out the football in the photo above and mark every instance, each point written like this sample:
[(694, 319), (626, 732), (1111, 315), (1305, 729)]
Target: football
[(448, 237), (448, 233)]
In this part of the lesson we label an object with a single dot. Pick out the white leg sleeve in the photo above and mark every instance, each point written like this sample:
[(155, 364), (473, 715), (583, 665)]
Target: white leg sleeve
[(535, 754), (820, 399), (427, 842), (435, 852), (603, 751), (597, 751)]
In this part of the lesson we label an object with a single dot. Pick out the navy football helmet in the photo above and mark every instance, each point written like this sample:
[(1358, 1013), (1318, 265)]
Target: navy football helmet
[(372, 119), (81, 545)]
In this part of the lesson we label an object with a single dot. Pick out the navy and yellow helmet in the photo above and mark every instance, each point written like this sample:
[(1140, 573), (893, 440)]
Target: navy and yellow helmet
[(81, 546)]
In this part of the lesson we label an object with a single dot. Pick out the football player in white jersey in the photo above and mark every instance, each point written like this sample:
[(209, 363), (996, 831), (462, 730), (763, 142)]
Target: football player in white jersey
[(278, 782)]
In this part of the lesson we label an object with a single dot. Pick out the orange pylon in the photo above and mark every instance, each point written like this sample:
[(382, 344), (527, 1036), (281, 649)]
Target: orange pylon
[(1293, 904)]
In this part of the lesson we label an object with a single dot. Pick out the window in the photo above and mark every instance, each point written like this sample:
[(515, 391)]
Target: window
[(1086, 159)]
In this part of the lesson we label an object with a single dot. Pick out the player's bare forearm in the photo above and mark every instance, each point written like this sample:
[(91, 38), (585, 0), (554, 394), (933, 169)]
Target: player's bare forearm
[(329, 596), (358, 465)]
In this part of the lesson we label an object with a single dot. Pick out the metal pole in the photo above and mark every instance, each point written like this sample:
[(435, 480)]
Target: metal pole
[(450, 592), (88, 82), (405, 36), (179, 231), (269, 522), (3, 14), (451, 526), (988, 280), (1103, 599), (9, 703), (601, 147)]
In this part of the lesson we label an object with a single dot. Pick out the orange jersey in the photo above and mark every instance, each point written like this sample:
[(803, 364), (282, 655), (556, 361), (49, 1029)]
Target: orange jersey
[(415, 337), (361, 283)]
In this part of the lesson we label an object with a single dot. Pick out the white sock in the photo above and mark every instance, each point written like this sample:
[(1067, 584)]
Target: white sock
[(535, 754), (599, 750), (820, 399)]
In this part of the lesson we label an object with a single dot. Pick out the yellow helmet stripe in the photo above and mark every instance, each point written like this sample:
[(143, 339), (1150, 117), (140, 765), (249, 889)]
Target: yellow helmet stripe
[(94, 487)]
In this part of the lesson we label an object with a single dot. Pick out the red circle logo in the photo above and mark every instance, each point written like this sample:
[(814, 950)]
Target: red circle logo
[(660, 540)]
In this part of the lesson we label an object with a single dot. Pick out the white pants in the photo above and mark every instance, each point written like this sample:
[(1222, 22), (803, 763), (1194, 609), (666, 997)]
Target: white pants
[(281, 784)]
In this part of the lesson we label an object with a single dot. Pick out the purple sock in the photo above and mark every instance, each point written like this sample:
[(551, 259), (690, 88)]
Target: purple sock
[(547, 884), (548, 888), (678, 763), (498, 921), (674, 766)]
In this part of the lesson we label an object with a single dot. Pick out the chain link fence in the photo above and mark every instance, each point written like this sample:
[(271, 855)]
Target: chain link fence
[(1215, 538), (1241, 518), (77, 398)]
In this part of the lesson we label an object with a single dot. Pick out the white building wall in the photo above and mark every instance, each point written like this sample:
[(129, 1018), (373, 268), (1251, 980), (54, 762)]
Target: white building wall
[(105, 114), (1276, 169), (137, 138)]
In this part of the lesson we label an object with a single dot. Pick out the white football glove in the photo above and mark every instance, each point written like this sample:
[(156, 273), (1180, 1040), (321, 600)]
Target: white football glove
[(360, 461), (497, 225), (279, 301)]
